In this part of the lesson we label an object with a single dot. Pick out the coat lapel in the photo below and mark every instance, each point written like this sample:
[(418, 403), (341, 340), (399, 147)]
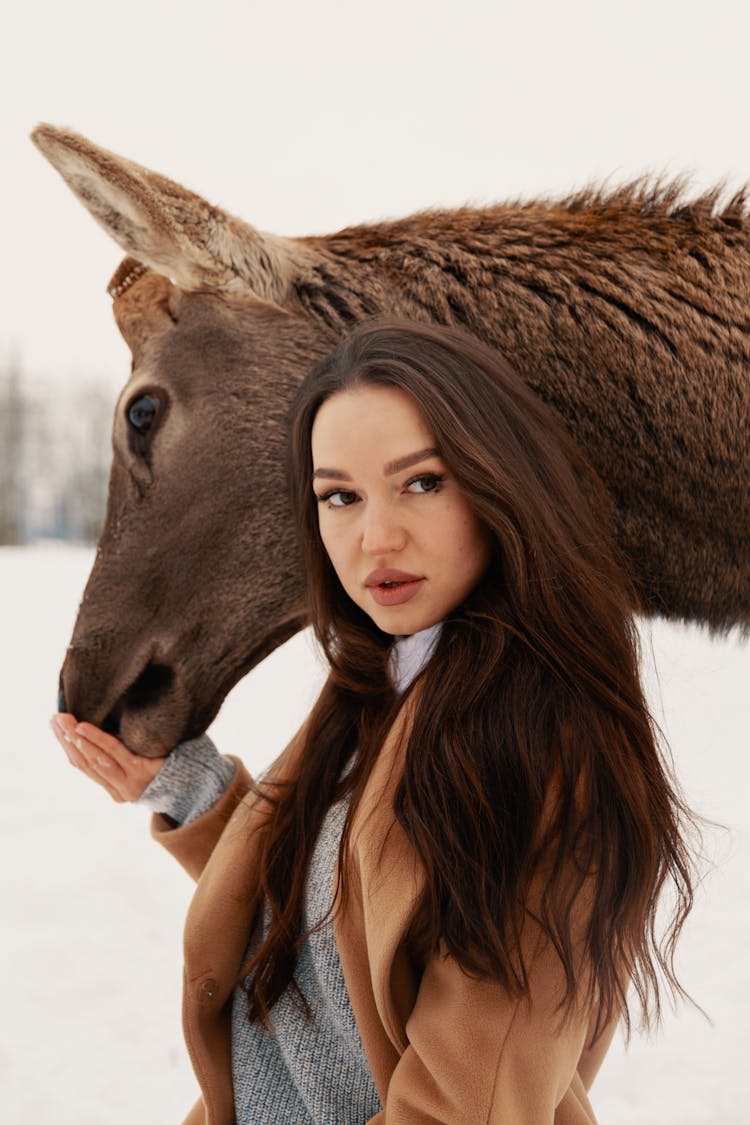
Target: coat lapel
[(387, 882)]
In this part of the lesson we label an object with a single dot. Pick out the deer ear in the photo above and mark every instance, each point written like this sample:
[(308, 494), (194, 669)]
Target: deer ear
[(169, 228)]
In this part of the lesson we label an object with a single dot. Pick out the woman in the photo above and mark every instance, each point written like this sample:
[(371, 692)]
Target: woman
[(431, 907)]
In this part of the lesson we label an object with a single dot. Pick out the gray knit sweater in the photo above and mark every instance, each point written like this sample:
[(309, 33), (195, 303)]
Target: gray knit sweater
[(303, 1073)]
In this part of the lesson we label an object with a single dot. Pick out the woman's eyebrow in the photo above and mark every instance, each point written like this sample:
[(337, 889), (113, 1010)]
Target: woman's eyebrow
[(392, 467)]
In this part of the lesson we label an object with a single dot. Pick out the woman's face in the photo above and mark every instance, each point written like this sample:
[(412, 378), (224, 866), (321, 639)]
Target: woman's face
[(400, 535)]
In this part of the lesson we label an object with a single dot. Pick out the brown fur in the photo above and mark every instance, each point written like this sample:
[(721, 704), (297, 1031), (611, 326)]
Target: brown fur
[(626, 309)]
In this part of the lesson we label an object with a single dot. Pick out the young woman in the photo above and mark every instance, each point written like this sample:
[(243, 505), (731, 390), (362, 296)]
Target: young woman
[(432, 905)]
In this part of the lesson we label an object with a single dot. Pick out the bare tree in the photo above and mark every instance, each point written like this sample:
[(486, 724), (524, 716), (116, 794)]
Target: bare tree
[(85, 469), (13, 411), (54, 457), (78, 460)]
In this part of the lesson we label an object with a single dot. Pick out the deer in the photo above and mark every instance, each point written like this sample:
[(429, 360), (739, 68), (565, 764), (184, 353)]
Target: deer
[(626, 308)]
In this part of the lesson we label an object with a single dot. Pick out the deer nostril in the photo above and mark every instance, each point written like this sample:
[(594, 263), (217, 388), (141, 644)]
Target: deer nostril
[(153, 682), (110, 725)]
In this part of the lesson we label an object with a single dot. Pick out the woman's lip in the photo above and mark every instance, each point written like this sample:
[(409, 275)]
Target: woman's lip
[(390, 574), (396, 595)]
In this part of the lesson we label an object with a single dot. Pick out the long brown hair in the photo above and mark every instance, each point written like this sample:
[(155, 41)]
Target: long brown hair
[(532, 747)]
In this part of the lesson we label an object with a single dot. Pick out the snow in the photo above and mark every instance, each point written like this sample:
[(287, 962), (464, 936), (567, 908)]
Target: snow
[(93, 909)]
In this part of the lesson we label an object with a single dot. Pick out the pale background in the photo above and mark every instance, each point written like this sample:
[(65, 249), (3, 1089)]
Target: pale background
[(303, 118)]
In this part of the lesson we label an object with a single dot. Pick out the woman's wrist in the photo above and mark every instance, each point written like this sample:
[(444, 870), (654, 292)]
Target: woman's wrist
[(191, 780)]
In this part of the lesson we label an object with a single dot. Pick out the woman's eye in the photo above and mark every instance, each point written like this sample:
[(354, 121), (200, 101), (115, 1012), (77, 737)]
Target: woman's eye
[(338, 499), (428, 482)]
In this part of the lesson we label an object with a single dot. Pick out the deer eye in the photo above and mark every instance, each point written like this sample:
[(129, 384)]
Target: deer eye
[(142, 413)]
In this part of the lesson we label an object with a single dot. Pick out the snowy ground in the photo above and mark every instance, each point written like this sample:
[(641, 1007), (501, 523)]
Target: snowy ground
[(92, 915)]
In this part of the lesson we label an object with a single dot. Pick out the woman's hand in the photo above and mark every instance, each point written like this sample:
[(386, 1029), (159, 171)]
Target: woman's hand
[(105, 759)]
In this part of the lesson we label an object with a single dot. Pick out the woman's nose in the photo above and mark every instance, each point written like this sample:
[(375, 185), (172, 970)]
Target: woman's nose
[(383, 532)]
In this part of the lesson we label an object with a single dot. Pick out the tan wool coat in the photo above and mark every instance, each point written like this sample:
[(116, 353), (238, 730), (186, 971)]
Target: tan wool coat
[(441, 1046)]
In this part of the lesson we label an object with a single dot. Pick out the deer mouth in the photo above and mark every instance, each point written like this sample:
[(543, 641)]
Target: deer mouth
[(133, 716), (157, 701)]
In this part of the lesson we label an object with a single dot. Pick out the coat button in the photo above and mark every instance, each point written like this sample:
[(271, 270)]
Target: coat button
[(208, 991)]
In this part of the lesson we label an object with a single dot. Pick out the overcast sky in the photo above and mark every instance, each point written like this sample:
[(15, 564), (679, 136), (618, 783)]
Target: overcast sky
[(303, 117)]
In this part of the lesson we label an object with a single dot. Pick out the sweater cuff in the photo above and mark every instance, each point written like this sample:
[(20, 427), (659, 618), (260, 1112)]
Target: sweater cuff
[(191, 780)]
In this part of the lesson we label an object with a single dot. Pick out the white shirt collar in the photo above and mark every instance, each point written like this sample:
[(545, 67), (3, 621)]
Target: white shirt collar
[(409, 655)]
